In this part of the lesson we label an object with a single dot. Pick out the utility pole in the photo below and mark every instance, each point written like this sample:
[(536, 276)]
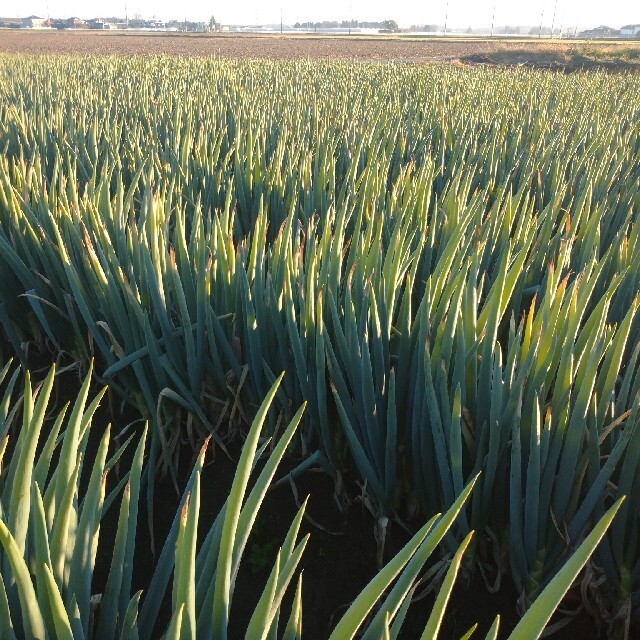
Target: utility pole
[(541, 19), (553, 21), (280, 20), (493, 17), (446, 17)]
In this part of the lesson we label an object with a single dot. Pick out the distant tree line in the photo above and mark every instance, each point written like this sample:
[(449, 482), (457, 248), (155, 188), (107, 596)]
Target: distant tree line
[(428, 28), (385, 25)]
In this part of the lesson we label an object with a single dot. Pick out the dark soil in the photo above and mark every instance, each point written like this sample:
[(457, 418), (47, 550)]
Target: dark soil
[(335, 567)]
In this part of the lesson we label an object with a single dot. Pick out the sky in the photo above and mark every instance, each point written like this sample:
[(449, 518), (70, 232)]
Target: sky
[(458, 13)]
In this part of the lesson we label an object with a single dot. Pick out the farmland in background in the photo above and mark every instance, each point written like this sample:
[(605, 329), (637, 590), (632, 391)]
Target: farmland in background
[(545, 53)]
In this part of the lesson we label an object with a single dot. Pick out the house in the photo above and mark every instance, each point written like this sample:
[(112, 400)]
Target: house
[(600, 32), (76, 23), (35, 22), (630, 31), (97, 24)]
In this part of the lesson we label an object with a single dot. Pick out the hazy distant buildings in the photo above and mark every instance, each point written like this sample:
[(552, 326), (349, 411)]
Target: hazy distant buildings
[(630, 31), (600, 32), (35, 22), (327, 26)]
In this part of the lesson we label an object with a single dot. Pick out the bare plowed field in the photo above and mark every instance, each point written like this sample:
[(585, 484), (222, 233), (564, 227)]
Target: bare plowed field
[(238, 46), (407, 49)]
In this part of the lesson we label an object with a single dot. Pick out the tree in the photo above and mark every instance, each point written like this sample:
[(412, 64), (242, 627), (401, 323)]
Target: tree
[(390, 25), (213, 25)]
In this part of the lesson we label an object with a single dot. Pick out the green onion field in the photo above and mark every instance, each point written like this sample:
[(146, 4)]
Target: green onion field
[(422, 280)]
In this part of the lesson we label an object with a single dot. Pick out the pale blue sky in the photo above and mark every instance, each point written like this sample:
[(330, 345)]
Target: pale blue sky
[(461, 13)]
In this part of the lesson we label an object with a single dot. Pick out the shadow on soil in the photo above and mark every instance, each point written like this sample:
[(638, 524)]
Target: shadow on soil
[(567, 60)]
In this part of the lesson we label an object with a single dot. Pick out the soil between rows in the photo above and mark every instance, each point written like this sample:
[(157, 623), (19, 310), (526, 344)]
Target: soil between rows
[(337, 563)]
